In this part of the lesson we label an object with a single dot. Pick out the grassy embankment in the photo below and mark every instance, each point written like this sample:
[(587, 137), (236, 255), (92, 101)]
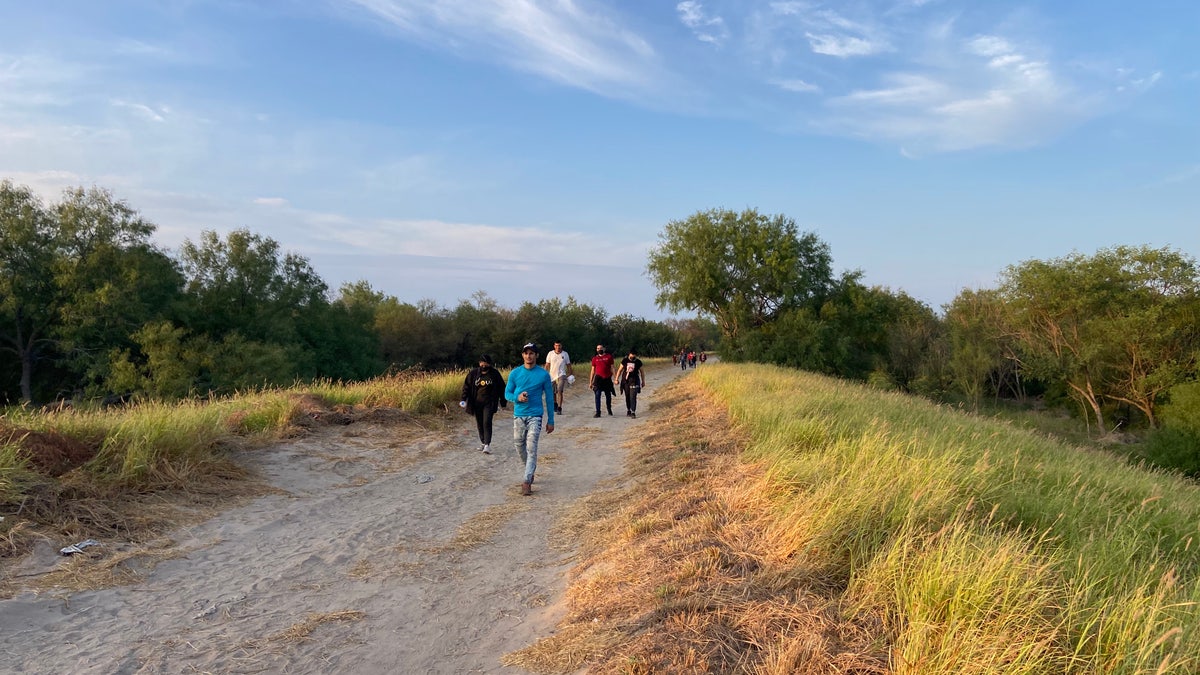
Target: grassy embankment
[(94, 473), (783, 522)]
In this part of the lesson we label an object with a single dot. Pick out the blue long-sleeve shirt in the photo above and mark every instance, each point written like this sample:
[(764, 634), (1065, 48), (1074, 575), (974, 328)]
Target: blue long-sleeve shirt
[(536, 381)]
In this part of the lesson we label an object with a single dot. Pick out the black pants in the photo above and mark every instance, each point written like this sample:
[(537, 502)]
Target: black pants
[(605, 386), (631, 392), (483, 420)]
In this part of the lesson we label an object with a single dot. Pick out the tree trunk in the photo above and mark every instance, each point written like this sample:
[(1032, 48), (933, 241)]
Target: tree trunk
[(1085, 392), (26, 356)]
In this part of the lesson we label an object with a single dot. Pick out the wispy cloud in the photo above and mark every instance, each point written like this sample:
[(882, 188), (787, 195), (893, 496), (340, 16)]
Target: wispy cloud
[(561, 41), (797, 86), (843, 45), (706, 28), (144, 111), (982, 91)]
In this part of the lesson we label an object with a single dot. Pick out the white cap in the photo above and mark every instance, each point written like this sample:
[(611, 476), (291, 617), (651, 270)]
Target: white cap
[(570, 379)]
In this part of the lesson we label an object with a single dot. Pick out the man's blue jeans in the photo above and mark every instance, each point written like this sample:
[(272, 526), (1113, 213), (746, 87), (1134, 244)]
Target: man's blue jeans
[(526, 431)]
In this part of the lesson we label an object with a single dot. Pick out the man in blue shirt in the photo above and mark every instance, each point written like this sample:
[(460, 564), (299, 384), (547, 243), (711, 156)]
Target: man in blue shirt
[(530, 389)]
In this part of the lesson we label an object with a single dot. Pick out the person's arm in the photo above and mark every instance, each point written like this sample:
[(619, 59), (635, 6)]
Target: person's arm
[(510, 388), (466, 389), (499, 384), (592, 377), (548, 391), (570, 366)]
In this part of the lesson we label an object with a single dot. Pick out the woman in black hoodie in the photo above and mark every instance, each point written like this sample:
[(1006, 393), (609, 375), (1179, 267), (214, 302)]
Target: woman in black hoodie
[(482, 392)]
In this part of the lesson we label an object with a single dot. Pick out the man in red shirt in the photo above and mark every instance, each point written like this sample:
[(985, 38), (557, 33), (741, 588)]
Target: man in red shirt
[(601, 379)]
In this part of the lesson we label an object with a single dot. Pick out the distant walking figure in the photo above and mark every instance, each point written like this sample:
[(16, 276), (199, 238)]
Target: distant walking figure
[(632, 380), (482, 393), (601, 379), (558, 364)]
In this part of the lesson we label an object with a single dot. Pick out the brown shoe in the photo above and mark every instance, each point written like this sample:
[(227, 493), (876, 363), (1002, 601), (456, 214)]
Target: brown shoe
[(526, 489)]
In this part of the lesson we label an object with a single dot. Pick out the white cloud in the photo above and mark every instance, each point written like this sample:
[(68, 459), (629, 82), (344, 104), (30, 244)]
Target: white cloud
[(705, 28), (843, 45), (557, 40), (989, 45), (797, 86), (142, 110), (456, 240), (978, 92), (274, 202), (1137, 84)]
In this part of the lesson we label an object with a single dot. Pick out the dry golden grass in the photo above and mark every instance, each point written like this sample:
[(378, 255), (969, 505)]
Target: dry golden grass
[(79, 507), (301, 631), (97, 568), (481, 527), (679, 575)]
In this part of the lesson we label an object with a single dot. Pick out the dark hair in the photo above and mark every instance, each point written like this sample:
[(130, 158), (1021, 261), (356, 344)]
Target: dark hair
[(487, 358)]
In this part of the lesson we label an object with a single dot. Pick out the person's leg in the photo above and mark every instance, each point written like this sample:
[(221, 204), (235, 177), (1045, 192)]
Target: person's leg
[(488, 414), (519, 426), (532, 433), (629, 400), (608, 396), (633, 393), (560, 384), (485, 430), (597, 392)]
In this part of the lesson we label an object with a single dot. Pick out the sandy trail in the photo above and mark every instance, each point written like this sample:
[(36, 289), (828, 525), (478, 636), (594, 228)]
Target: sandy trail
[(354, 565)]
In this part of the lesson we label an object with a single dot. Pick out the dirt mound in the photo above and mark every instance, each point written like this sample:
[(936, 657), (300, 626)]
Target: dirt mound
[(48, 452)]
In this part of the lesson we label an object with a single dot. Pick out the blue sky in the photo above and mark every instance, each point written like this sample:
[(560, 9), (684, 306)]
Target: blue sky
[(536, 148)]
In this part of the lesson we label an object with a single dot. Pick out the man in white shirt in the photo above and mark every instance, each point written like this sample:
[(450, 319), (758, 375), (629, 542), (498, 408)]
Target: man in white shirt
[(558, 364)]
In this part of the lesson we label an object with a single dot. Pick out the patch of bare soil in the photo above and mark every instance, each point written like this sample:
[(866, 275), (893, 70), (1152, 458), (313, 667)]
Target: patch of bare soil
[(50, 453), (386, 544)]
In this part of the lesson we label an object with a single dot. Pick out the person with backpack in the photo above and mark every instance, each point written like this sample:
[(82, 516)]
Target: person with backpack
[(482, 394)]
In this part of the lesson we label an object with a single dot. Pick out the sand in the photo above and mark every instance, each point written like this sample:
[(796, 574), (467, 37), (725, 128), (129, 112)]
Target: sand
[(383, 549)]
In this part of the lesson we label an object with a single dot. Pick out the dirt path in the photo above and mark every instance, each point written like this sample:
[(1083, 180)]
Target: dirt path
[(384, 550)]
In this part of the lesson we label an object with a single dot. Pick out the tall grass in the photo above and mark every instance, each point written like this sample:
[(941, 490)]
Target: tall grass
[(983, 547), (139, 444)]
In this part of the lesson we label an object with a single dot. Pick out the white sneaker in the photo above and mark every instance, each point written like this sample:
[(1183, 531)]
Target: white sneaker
[(487, 449)]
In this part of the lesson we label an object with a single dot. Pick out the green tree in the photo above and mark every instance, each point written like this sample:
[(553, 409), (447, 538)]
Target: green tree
[(742, 269), (412, 335), (243, 283), (976, 331), (910, 335), (1118, 325), (76, 280), (112, 280), (29, 295)]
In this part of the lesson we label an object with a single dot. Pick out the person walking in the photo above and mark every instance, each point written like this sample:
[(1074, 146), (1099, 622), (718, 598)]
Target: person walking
[(601, 378), (482, 393), (633, 378), (558, 364), (529, 388)]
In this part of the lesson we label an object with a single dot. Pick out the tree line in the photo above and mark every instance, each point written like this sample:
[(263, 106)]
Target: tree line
[(1113, 336), (90, 307)]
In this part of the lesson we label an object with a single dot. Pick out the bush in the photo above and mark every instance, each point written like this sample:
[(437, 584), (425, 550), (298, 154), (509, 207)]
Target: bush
[(1174, 448), (1182, 410)]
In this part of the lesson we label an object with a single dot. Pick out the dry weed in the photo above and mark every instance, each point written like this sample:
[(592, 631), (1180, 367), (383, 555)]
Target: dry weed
[(301, 631), (679, 574), (98, 568), (480, 528)]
